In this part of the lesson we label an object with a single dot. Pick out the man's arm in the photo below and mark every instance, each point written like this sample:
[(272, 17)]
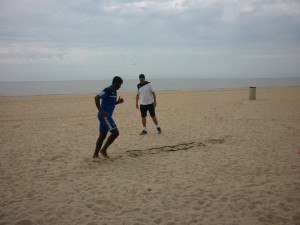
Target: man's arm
[(154, 96), (137, 101), (97, 102)]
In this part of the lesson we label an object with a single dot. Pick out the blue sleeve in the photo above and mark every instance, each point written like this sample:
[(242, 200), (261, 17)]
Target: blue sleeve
[(103, 94)]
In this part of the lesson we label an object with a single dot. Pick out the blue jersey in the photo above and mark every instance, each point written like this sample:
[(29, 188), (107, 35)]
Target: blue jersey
[(108, 99)]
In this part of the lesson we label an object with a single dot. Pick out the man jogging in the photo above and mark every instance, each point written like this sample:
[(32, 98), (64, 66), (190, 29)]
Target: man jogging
[(147, 103), (105, 110)]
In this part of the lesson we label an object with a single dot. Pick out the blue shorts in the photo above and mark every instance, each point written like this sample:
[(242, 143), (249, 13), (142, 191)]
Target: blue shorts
[(106, 124)]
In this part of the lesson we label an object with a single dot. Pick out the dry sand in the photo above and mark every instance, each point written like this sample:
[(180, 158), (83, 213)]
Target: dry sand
[(221, 159)]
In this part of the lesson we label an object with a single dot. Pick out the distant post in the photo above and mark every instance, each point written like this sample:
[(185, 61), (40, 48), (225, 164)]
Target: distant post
[(252, 93)]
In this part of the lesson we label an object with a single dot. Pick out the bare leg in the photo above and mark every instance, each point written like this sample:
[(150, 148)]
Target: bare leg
[(155, 120), (110, 140), (156, 123), (144, 121), (99, 143)]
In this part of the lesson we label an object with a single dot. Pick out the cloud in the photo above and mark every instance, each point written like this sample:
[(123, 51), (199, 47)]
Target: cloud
[(147, 23), (103, 34), (19, 53)]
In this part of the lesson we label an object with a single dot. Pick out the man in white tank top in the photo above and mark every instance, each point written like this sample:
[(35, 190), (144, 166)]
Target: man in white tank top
[(147, 98)]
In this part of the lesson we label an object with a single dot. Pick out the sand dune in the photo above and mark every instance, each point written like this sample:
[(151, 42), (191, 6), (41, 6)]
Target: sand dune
[(221, 159)]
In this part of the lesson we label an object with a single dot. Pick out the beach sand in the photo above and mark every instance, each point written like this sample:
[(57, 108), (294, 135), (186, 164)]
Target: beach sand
[(221, 159)]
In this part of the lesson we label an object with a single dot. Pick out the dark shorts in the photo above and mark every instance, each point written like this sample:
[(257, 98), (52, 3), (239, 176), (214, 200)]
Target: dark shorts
[(145, 108)]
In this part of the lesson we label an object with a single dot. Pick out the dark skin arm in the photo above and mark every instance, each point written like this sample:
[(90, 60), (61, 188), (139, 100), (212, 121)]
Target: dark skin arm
[(97, 102)]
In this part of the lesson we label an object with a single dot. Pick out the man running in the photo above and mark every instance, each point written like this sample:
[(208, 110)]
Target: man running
[(108, 102), (147, 103)]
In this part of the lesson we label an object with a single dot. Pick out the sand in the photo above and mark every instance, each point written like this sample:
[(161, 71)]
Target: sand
[(221, 159)]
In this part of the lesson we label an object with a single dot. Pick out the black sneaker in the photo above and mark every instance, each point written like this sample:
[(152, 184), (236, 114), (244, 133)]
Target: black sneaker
[(159, 130), (143, 132)]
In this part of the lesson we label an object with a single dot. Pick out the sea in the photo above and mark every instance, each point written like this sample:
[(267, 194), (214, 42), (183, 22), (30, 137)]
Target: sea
[(95, 86)]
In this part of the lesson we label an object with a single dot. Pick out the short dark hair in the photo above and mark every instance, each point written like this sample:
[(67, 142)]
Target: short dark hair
[(117, 79), (142, 76)]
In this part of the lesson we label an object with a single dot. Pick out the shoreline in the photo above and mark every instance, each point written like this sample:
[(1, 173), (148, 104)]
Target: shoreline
[(159, 91), (78, 87)]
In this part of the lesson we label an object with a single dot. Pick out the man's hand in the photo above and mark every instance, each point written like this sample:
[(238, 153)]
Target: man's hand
[(103, 114), (137, 106), (154, 96), (120, 100)]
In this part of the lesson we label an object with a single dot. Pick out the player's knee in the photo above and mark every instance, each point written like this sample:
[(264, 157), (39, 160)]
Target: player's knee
[(116, 133)]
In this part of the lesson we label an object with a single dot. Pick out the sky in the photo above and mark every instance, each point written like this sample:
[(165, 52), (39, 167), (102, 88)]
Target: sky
[(43, 40)]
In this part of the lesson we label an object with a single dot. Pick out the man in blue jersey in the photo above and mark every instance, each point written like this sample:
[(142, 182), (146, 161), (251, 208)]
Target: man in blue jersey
[(105, 110)]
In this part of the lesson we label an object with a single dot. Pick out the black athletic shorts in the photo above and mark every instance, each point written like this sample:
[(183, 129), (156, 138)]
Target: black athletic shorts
[(145, 108)]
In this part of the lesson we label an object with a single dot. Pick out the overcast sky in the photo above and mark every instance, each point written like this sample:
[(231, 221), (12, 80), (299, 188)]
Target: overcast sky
[(97, 39)]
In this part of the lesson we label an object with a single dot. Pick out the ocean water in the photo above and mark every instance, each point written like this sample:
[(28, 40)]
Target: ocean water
[(95, 86)]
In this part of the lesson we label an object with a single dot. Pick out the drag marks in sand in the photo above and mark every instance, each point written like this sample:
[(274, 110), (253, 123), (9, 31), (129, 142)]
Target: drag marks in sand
[(174, 148), (167, 148)]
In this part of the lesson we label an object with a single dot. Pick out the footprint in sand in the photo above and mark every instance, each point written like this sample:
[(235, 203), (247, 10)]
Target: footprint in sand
[(101, 160), (166, 148), (25, 222), (173, 148), (216, 141)]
